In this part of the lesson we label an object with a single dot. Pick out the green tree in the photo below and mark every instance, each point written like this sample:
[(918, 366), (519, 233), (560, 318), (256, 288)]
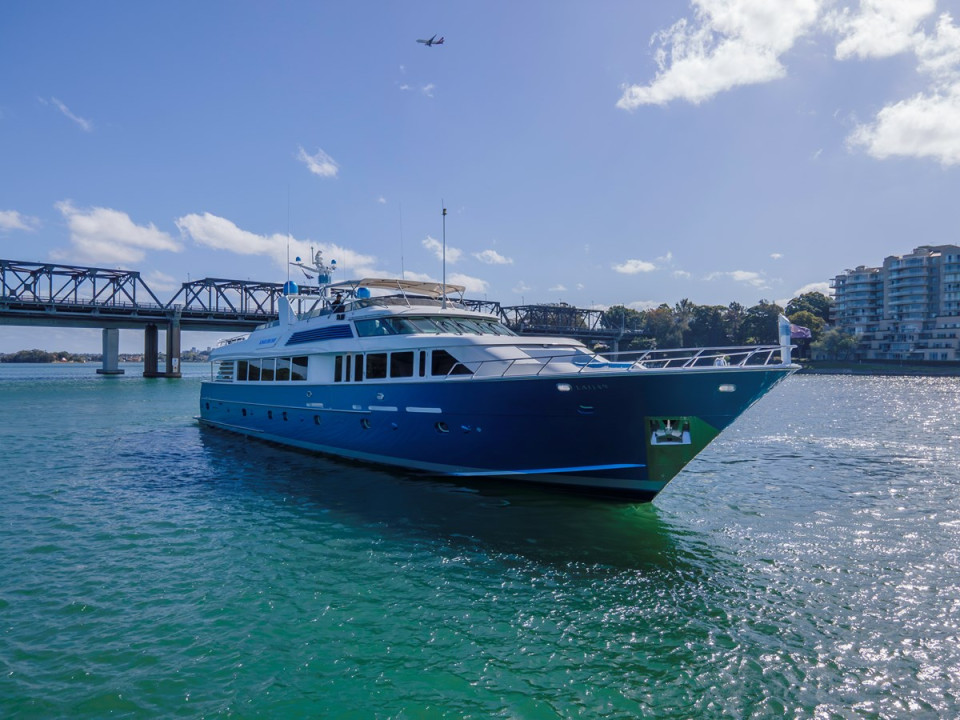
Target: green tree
[(682, 317), (836, 344), (707, 329), (809, 320), (619, 317), (733, 318), (661, 327), (760, 323), (813, 302)]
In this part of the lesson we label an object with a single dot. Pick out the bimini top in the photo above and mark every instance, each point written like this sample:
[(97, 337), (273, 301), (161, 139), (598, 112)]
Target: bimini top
[(413, 287)]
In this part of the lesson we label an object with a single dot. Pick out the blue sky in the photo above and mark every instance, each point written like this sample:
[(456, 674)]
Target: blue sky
[(592, 153)]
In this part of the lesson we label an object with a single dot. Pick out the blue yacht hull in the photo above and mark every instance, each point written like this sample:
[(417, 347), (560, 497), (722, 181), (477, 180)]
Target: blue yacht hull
[(627, 433)]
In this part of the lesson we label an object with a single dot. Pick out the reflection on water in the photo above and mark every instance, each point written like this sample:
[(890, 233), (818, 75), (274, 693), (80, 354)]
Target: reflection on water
[(485, 516)]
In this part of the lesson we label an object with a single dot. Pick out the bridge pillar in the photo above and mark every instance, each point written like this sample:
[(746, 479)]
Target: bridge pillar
[(111, 353), (173, 348), (150, 347)]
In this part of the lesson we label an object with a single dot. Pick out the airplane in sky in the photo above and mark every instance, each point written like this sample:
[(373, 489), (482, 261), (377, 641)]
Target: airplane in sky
[(432, 41)]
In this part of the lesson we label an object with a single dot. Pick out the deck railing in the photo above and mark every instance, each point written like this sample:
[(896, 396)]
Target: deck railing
[(680, 359)]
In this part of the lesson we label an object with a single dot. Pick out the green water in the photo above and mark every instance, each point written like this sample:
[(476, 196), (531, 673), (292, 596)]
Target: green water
[(806, 565)]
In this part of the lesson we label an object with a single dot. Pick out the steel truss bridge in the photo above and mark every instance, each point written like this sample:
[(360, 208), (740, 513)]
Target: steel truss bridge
[(47, 294)]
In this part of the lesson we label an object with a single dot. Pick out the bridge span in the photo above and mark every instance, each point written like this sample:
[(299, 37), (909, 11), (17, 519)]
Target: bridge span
[(54, 295)]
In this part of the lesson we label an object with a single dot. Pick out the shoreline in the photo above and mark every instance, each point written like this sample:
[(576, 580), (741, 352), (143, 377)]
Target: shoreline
[(834, 368)]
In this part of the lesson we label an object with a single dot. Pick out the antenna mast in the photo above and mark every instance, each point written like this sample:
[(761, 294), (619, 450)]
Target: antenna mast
[(444, 291), (403, 274)]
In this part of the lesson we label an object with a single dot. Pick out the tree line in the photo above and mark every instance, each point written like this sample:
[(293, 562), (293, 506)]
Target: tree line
[(687, 324)]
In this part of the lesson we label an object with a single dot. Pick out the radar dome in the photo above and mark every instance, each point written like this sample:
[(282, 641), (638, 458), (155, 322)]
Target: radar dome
[(290, 288), (363, 293)]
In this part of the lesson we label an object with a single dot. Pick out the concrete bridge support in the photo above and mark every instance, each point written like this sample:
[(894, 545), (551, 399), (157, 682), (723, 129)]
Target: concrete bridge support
[(111, 353), (151, 345), (173, 348), (150, 348)]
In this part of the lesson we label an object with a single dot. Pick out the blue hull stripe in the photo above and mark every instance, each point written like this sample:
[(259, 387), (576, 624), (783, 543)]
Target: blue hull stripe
[(545, 471)]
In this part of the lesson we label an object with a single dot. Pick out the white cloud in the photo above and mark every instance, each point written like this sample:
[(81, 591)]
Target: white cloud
[(109, 237), (84, 124), (820, 287), (492, 257), (161, 282), (645, 304), (681, 274), (632, 267), (13, 220), (879, 28), (221, 234), (928, 124), (728, 44), (427, 89), (939, 54), (521, 287), (747, 277), (319, 163), (925, 126), (557, 288), (382, 200), (472, 284), (776, 256), (436, 247)]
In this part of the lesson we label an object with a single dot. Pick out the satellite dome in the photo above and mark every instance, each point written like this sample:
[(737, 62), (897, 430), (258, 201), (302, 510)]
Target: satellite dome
[(363, 293), (290, 288)]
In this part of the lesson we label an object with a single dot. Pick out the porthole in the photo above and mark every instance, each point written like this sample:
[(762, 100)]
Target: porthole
[(442, 427), (316, 419), (208, 406), (564, 387), (727, 388), (269, 414), (243, 411), (284, 415), (365, 423)]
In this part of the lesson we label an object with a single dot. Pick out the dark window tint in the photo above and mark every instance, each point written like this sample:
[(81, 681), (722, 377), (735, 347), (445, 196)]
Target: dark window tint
[(376, 365), (401, 364)]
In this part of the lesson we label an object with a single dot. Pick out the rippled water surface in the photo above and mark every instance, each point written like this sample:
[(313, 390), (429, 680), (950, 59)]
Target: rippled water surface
[(806, 565)]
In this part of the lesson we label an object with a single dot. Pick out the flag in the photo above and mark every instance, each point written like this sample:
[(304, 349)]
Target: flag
[(798, 332)]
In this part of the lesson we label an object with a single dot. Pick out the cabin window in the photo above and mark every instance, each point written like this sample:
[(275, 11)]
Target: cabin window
[(423, 363), (253, 370), (401, 364), (425, 325), (358, 368), (338, 368), (298, 370), (443, 363), (346, 368), (376, 365), (283, 368), (241, 370), (373, 328), (225, 370), (267, 369), (469, 326), (449, 326)]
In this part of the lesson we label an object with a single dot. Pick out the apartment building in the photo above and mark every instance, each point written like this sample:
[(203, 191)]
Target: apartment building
[(908, 309)]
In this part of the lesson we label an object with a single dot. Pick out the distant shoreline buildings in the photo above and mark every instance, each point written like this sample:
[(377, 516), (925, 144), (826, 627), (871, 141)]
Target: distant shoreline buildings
[(908, 309)]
